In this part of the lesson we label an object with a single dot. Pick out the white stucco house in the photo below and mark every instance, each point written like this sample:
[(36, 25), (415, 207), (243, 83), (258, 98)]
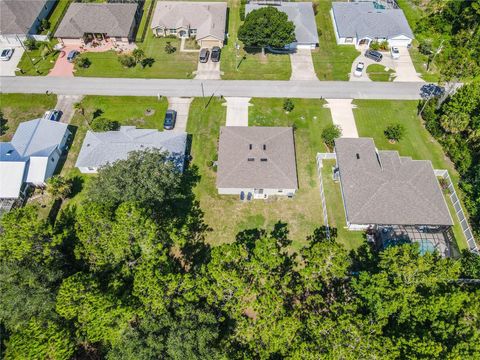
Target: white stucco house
[(302, 16), (360, 23), (204, 21), (20, 19), (32, 155), (256, 162), (102, 148)]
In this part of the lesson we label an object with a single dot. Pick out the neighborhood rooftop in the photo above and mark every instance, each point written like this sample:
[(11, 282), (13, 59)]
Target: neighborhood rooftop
[(114, 19), (364, 19), (18, 16), (100, 148), (381, 187), (301, 14), (208, 18), (256, 157)]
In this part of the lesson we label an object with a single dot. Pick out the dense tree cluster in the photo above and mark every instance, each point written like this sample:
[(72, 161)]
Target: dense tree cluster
[(456, 124), (132, 278), (450, 33)]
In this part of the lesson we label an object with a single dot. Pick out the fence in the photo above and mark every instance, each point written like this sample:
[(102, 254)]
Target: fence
[(467, 232), (320, 158)]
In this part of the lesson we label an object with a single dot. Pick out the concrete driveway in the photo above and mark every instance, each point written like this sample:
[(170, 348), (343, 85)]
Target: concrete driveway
[(302, 65), (65, 103), (342, 115), (7, 68), (237, 111), (208, 71), (404, 67), (386, 61), (182, 106)]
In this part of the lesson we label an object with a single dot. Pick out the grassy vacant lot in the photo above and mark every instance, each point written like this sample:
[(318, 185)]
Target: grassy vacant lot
[(179, 65), (331, 61), (226, 215), (377, 72), (21, 107), (373, 116), (37, 65)]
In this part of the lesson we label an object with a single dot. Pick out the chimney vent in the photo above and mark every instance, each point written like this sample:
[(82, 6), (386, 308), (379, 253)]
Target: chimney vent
[(358, 156)]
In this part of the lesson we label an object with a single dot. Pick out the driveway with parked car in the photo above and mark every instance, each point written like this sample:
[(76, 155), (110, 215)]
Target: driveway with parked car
[(10, 57), (180, 107), (209, 64)]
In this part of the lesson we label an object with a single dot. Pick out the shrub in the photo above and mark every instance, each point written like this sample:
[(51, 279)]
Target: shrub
[(127, 61), (330, 133), (425, 47), (395, 132), (169, 48), (288, 105), (83, 62), (31, 44), (147, 62), (44, 25), (104, 124), (384, 45), (374, 45)]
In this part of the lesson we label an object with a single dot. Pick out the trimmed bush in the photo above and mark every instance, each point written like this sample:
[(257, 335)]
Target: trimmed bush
[(288, 105), (330, 133), (395, 132), (104, 124)]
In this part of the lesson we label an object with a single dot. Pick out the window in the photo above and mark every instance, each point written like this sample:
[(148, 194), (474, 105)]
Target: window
[(280, 190), (193, 31), (251, 159), (9, 152), (172, 31), (91, 168), (349, 40)]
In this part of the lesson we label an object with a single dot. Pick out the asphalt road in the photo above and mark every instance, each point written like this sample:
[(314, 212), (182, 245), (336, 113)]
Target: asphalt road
[(197, 88)]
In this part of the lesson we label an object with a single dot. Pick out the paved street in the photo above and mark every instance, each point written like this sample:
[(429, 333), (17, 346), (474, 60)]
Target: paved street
[(193, 88)]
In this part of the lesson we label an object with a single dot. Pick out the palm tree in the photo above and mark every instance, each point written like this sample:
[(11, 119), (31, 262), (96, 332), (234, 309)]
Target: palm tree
[(58, 187)]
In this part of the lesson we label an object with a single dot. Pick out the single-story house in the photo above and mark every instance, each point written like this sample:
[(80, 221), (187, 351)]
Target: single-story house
[(102, 148), (256, 161), (20, 19), (87, 22), (302, 16), (382, 188), (360, 23), (204, 21), (32, 155)]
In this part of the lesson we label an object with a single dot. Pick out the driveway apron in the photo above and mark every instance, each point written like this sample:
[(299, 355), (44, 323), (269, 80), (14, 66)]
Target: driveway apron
[(342, 115), (237, 111), (302, 65), (181, 106)]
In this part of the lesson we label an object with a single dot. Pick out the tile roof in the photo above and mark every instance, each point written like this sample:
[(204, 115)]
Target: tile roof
[(113, 19), (362, 19), (18, 16), (100, 148), (301, 14), (209, 18), (381, 187), (275, 144)]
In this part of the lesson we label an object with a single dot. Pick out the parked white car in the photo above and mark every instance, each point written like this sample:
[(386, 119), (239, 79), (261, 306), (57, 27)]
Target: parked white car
[(359, 69), (395, 53), (6, 54)]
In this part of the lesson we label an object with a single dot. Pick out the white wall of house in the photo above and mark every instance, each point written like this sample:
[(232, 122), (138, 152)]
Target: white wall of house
[(255, 192), (400, 41), (88, 170)]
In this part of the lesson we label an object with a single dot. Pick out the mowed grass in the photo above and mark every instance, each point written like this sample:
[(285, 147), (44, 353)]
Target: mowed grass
[(373, 116), (227, 215), (331, 61), (248, 65), (179, 65), (17, 108), (377, 72), (33, 63)]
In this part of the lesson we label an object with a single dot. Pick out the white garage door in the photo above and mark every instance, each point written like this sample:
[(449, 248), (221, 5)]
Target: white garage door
[(400, 42)]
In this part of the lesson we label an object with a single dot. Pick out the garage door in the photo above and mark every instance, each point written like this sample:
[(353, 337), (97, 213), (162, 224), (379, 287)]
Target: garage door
[(209, 43), (399, 42)]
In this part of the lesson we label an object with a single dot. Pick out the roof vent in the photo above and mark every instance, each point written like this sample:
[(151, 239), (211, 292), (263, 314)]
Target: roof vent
[(263, 159), (250, 146), (9, 152), (358, 156), (251, 159), (88, 145), (264, 147)]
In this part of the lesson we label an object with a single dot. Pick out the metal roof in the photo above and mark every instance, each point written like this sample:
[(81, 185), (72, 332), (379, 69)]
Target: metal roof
[(363, 19), (381, 187), (113, 19), (101, 148), (301, 14), (256, 157)]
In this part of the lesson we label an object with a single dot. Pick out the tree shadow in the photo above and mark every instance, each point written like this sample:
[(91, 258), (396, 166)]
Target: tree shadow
[(249, 237), (322, 234)]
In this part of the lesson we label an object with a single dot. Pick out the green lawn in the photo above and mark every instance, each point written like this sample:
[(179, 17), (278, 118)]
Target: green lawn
[(373, 116), (143, 27), (56, 15), (254, 66), (179, 65), (33, 64), (21, 107), (336, 211), (377, 72), (331, 61), (226, 215)]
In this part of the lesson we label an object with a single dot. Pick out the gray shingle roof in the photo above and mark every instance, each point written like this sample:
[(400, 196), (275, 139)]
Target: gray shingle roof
[(301, 14), (234, 169), (113, 19), (18, 16), (381, 187), (209, 18), (100, 148), (361, 19)]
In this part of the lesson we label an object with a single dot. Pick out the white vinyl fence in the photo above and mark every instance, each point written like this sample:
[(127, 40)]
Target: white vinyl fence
[(320, 158)]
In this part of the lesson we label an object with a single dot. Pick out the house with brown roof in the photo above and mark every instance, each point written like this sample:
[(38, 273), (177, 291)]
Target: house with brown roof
[(256, 162), (204, 21), (86, 23)]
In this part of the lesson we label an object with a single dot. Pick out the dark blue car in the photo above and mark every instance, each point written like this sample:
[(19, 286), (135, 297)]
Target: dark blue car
[(170, 118), (72, 55)]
